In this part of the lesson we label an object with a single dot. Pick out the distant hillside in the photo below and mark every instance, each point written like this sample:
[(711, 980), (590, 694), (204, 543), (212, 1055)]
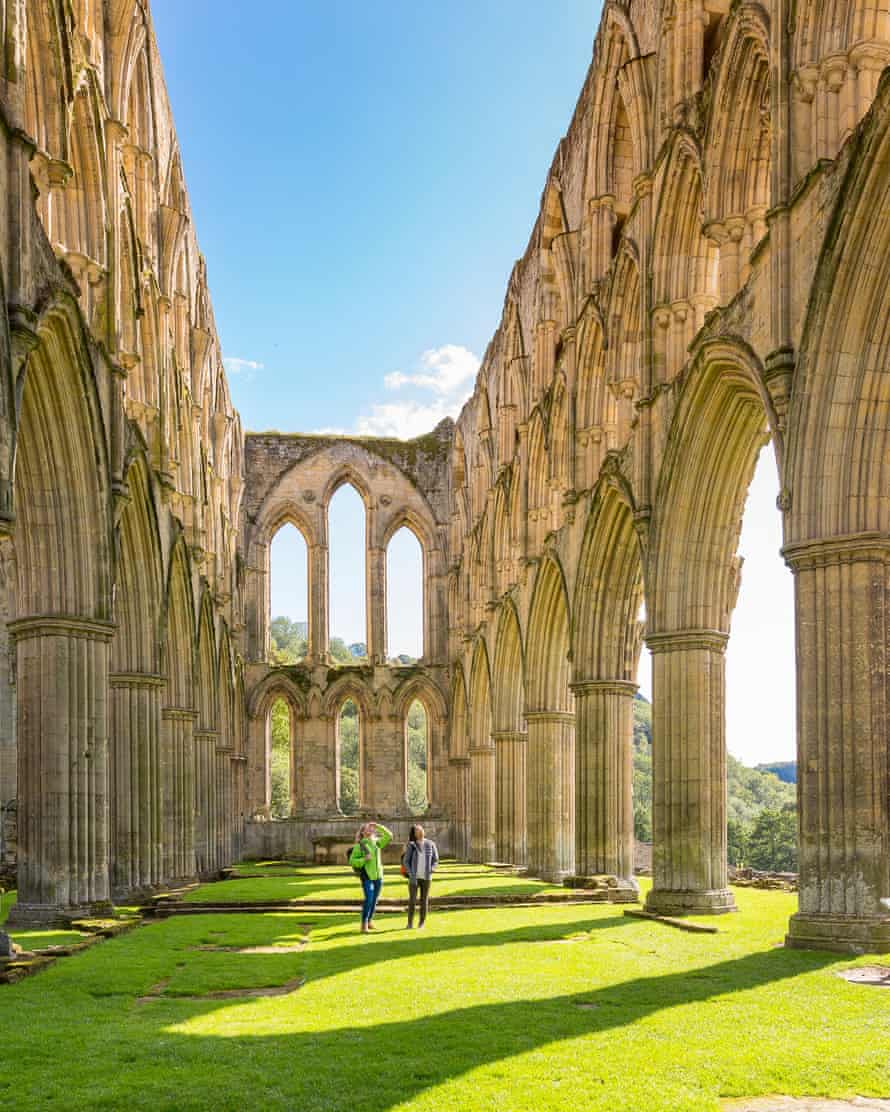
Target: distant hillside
[(785, 770)]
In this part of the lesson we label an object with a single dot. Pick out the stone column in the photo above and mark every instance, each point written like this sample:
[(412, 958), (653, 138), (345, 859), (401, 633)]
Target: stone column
[(842, 596), (224, 826), (511, 823), (178, 781), (135, 757), (317, 771), (206, 802), (482, 805), (376, 588), (551, 794), (62, 685), (318, 603), (604, 820), (460, 772), (383, 769), (259, 786), (689, 773)]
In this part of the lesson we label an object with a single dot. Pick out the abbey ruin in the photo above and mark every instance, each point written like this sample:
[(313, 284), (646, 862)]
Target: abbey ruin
[(709, 273)]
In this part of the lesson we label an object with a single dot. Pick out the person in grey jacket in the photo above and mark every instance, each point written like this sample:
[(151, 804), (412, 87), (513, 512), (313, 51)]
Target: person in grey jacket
[(421, 857)]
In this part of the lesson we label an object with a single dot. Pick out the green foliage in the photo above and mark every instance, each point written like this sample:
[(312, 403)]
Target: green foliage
[(772, 843), (280, 764), (289, 640), (417, 757), (736, 842), (347, 733), (750, 792), (340, 652), (642, 781)]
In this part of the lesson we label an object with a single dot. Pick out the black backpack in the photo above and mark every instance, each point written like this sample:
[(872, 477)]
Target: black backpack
[(358, 870)]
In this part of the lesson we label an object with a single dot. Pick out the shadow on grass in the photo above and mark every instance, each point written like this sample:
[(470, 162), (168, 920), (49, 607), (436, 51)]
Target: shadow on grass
[(329, 1069)]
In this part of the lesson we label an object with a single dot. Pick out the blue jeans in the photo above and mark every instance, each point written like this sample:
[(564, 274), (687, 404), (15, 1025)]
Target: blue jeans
[(372, 893)]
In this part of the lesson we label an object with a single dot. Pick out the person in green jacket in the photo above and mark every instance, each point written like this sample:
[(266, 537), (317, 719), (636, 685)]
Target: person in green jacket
[(366, 855)]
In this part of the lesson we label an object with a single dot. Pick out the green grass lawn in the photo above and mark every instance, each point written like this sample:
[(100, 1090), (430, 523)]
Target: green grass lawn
[(337, 882), (551, 1007)]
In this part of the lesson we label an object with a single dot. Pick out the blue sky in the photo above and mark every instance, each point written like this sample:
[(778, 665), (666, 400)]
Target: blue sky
[(363, 178)]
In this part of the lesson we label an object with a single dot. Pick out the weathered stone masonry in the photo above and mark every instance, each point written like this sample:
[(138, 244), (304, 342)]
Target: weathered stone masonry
[(708, 274)]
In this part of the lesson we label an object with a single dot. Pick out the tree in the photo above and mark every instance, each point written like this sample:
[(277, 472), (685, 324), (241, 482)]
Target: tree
[(642, 774), (280, 762), (289, 640), (347, 734), (736, 843), (417, 757), (773, 841)]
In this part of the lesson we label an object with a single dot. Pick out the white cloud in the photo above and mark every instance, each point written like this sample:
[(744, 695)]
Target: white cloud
[(236, 366), (447, 370)]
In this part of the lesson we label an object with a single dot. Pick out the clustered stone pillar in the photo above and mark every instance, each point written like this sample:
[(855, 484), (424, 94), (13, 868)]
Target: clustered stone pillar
[(178, 779), (207, 801), (460, 777), (511, 840), (482, 803), (604, 821), (842, 593), (376, 592), (551, 794), (136, 834), (689, 773), (62, 683)]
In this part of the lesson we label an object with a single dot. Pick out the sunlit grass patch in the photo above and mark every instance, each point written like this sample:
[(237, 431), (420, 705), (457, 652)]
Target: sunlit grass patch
[(555, 1007)]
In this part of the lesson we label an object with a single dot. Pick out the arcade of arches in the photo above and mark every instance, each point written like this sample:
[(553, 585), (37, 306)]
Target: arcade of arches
[(709, 273)]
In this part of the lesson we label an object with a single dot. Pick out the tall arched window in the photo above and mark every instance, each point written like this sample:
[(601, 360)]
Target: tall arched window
[(417, 763), (404, 598), (281, 760), (289, 596), (349, 747), (347, 627)]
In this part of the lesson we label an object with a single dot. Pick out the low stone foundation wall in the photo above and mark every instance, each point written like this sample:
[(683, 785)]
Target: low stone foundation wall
[(327, 839)]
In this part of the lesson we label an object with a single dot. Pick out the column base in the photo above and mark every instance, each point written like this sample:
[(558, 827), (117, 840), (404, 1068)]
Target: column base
[(842, 934), (27, 916), (618, 889), (668, 901)]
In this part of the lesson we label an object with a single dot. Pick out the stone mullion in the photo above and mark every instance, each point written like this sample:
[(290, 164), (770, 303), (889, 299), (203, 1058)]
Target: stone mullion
[(135, 700), (842, 596), (551, 794), (604, 779), (62, 669), (482, 803), (511, 839), (689, 773)]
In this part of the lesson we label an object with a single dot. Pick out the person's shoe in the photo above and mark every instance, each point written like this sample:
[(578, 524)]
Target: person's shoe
[(365, 928), (371, 927), (409, 927)]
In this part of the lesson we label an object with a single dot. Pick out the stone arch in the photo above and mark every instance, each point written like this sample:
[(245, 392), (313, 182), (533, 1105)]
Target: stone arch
[(178, 719), (407, 519), (47, 80), (737, 145), (482, 758), (273, 686), (510, 739), (838, 546), (560, 435), (538, 489), (459, 765), (684, 261), (80, 232), (343, 689), (624, 361), (136, 691), (717, 431), (595, 415), (63, 561), (606, 649), (551, 727), (426, 692)]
